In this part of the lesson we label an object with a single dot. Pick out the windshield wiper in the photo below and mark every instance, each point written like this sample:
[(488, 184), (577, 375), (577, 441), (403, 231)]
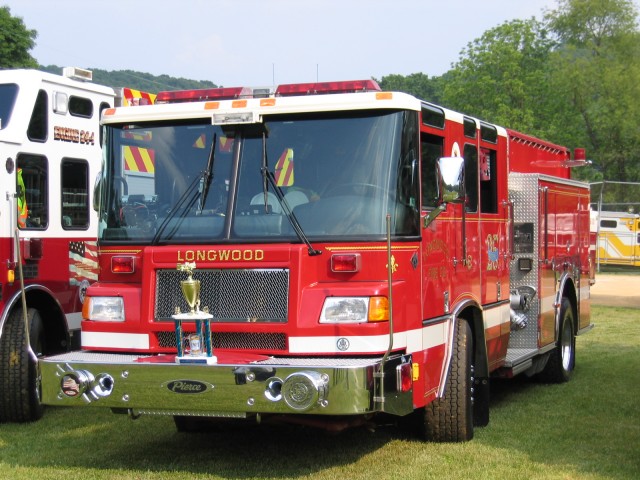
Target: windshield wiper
[(268, 176), (207, 176), (188, 194), (203, 181)]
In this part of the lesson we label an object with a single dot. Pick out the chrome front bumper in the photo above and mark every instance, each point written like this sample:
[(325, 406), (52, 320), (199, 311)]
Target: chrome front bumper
[(157, 385)]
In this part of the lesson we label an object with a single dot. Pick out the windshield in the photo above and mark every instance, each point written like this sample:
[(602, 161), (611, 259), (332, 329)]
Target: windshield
[(337, 174)]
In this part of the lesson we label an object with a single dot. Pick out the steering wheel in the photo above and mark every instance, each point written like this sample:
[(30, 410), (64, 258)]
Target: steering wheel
[(134, 214)]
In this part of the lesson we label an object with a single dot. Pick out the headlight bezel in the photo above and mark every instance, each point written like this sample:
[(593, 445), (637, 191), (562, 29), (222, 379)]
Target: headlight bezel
[(354, 310), (104, 309)]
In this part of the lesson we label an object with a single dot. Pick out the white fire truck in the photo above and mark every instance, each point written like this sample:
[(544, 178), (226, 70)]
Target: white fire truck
[(324, 253), (50, 146)]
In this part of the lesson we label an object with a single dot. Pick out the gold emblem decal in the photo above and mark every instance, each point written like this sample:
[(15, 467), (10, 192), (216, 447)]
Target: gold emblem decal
[(394, 265)]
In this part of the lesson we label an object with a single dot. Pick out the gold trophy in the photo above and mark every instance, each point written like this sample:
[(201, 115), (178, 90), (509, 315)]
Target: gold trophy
[(200, 345), (190, 287)]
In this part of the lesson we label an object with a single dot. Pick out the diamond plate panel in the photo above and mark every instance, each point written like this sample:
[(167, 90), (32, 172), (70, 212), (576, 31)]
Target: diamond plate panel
[(523, 190)]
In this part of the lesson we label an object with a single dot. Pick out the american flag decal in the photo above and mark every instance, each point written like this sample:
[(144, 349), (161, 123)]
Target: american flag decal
[(83, 262)]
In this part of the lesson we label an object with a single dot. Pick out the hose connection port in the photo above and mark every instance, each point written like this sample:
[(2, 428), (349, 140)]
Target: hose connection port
[(303, 390)]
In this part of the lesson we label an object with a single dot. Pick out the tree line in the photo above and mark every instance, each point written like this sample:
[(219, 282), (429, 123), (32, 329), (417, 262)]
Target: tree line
[(571, 77)]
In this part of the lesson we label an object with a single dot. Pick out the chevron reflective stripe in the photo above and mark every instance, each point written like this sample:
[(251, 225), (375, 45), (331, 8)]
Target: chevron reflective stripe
[(226, 144), (200, 142), (143, 136), (284, 169), (139, 160), (136, 97)]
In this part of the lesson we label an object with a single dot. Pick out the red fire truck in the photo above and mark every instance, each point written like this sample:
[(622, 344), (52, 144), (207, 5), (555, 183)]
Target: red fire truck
[(50, 145), (323, 253)]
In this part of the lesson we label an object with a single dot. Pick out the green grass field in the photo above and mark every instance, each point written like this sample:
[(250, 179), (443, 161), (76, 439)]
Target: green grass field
[(588, 428)]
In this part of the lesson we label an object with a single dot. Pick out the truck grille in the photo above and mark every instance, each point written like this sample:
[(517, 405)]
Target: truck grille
[(235, 340), (232, 295)]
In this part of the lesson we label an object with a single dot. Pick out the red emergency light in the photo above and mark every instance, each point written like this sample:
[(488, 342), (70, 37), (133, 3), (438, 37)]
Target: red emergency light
[(580, 154), (122, 264), (350, 86), (347, 262), (204, 94), (285, 90)]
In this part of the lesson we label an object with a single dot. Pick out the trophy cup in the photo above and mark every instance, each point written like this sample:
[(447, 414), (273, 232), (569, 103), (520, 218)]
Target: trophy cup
[(200, 345), (190, 287)]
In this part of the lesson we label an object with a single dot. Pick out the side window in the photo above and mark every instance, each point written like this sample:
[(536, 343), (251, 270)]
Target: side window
[(75, 198), (488, 181), (471, 176), (80, 107), (608, 223), (470, 129), (32, 180), (432, 148), (433, 116), (8, 95), (38, 125)]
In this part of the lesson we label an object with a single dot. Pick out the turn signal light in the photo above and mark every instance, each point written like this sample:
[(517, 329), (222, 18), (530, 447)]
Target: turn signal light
[(378, 309)]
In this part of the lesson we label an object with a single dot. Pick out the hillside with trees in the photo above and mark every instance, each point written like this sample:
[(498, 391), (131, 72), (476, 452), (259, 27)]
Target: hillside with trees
[(138, 80), (572, 77)]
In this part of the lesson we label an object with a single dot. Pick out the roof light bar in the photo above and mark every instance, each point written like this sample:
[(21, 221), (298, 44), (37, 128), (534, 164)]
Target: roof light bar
[(201, 95), (350, 86), (291, 89)]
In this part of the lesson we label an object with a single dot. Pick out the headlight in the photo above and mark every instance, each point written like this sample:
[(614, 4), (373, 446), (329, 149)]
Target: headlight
[(103, 309), (345, 310)]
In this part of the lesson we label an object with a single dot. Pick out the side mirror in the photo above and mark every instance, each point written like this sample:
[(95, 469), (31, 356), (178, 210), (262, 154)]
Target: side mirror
[(97, 187), (450, 180), (450, 185)]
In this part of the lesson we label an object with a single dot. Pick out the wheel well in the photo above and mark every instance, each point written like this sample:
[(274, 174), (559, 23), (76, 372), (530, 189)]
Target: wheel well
[(569, 291), (54, 324), (473, 316)]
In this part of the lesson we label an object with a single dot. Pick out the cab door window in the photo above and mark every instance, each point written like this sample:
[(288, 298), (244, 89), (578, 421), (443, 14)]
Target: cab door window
[(31, 184), (471, 176), (432, 150), (74, 176)]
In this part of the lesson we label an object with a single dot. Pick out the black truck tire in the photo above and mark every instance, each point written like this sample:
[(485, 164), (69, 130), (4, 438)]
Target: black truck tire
[(19, 382), (450, 418), (562, 359)]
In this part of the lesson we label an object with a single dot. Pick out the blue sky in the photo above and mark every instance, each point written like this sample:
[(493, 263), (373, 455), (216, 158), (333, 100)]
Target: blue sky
[(261, 42)]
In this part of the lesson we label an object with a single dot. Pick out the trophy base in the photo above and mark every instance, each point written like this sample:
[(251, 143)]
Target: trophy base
[(198, 360)]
